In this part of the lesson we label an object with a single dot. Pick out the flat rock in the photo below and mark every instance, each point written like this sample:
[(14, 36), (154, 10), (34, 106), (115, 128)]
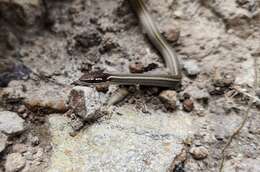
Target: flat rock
[(14, 162), (3, 140), (127, 142), (47, 97), (244, 165), (11, 123)]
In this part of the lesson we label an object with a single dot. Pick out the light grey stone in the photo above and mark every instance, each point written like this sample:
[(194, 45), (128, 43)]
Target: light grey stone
[(132, 141), (14, 162), (191, 68), (11, 123)]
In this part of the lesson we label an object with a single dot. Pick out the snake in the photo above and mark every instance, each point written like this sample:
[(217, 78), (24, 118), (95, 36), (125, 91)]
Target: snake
[(171, 79)]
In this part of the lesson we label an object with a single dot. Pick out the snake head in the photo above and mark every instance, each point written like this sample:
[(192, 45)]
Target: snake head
[(91, 78)]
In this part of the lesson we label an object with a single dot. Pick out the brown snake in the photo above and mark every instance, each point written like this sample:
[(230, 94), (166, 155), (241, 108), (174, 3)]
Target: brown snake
[(172, 79)]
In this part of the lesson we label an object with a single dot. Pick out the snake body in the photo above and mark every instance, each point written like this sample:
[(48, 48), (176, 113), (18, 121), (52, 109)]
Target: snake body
[(172, 79)]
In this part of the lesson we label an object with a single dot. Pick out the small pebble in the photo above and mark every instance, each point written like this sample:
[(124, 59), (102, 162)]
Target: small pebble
[(102, 88), (88, 39), (109, 43), (169, 98), (199, 152), (188, 105), (137, 67), (191, 68), (11, 123), (76, 124), (172, 34), (222, 80), (118, 96), (14, 162), (178, 14)]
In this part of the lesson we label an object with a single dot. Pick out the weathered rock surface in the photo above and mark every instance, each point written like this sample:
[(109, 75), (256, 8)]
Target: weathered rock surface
[(246, 164), (14, 162), (86, 102), (169, 98), (130, 141), (46, 97), (11, 123), (3, 140), (199, 152)]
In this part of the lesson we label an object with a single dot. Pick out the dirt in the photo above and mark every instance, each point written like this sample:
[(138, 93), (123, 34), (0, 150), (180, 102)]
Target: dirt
[(59, 44)]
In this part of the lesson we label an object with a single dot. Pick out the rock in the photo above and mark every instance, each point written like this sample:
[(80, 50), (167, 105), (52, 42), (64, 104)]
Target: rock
[(102, 88), (199, 94), (220, 83), (136, 67), (109, 43), (245, 164), (222, 79), (76, 124), (86, 103), (12, 70), (172, 34), (188, 105), (11, 123), (127, 142), (199, 153), (118, 95), (169, 98), (191, 68), (88, 39), (38, 97), (20, 148), (14, 162), (3, 141)]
